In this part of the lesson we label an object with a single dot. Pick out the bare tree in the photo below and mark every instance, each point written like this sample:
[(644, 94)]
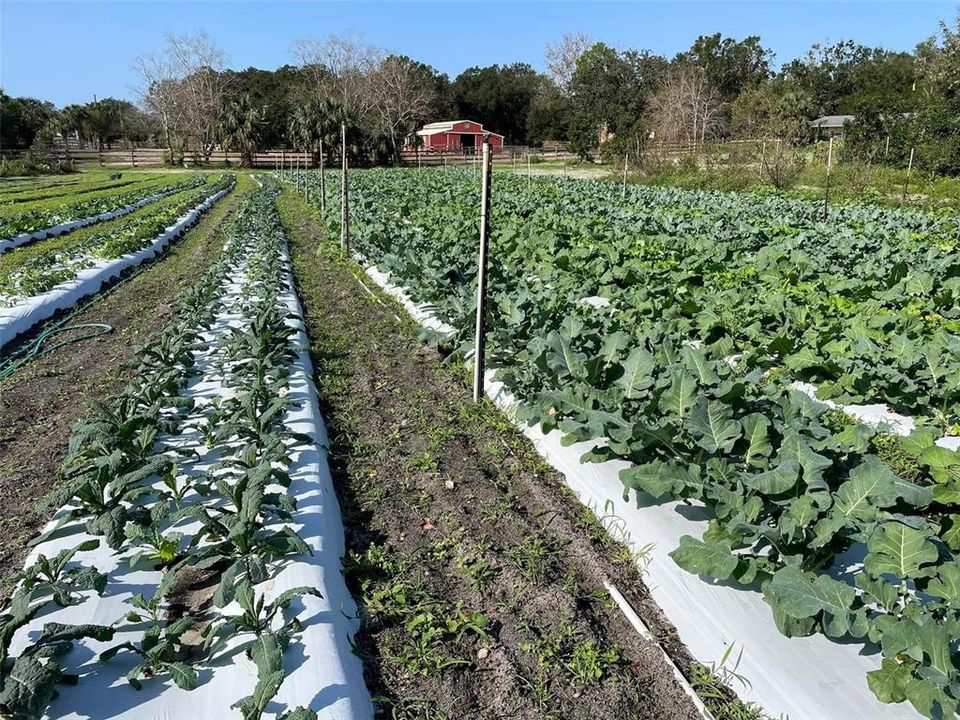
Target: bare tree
[(686, 110), (340, 69), (402, 94), (562, 57), (185, 86), (158, 93)]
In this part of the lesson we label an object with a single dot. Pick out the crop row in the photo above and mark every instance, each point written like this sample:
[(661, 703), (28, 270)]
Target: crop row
[(180, 478), (45, 215), (82, 186), (29, 273), (671, 326)]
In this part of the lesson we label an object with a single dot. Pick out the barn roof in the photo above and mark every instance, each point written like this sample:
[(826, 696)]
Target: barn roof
[(444, 126)]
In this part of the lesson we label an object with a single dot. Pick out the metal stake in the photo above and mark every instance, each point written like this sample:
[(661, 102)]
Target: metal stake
[(323, 185), (826, 185), (480, 337), (624, 176), (906, 182), (344, 197)]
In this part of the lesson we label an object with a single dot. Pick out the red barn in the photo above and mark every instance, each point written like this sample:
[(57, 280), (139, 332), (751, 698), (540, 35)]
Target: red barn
[(457, 136)]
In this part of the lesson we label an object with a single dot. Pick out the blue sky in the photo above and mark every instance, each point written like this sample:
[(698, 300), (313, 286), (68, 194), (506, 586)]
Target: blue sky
[(68, 51)]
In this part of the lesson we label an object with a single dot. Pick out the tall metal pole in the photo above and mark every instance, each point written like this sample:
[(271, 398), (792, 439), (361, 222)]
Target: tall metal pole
[(344, 197), (480, 336), (323, 185), (624, 196), (906, 182), (826, 185), (99, 141)]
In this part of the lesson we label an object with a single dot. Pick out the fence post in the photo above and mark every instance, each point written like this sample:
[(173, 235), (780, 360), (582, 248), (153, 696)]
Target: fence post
[(528, 167), (906, 182), (624, 196), (323, 185), (480, 335), (344, 197), (826, 184)]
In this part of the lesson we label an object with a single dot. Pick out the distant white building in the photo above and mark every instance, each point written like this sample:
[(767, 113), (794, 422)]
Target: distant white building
[(831, 125)]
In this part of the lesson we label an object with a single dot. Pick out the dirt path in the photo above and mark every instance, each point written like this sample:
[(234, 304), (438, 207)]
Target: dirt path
[(479, 577), (40, 403)]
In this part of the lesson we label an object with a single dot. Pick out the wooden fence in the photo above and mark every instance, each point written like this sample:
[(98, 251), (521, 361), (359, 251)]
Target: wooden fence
[(156, 157)]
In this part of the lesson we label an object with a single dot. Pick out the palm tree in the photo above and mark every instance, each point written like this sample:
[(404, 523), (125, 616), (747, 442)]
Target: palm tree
[(316, 124), (240, 128)]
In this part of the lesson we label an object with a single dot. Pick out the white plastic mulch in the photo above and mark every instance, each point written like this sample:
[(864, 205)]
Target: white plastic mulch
[(811, 678), (61, 228), (21, 317), (322, 672)]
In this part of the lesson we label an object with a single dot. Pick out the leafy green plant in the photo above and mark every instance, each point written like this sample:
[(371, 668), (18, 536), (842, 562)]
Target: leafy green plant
[(671, 325)]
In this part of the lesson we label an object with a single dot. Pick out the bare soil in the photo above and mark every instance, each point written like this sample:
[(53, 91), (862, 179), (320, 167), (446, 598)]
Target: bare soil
[(479, 577), (41, 402)]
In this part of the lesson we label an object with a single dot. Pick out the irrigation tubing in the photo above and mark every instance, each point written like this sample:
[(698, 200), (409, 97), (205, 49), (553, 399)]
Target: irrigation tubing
[(38, 347), (34, 349)]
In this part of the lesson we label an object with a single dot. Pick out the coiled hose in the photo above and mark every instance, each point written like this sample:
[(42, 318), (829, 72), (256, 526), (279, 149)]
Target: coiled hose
[(38, 347)]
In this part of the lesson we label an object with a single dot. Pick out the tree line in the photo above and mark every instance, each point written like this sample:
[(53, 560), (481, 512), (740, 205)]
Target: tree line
[(595, 97)]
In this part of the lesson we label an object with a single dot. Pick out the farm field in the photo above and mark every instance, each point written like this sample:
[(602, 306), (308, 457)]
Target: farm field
[(41, 402), (673, 328), (146, 582), (35, 213), (50, 275), (726, 349)]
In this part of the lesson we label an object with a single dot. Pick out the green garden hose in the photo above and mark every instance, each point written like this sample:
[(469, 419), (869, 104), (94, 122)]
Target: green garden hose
[(38, 347)]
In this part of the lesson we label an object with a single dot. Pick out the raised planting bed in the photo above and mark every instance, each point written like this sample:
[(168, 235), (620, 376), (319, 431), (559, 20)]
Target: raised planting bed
[(667, 333), (196, 557), (56, 280), (52, 217)]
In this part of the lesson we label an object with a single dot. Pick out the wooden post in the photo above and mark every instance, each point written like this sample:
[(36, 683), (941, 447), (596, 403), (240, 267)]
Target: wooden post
[(344, 197), (99, 141), (528, 167), (886, 150), (763, 157), (480, 335), (826, 184), (323, 185), (906, 182), (625, 155), (283, 161)]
